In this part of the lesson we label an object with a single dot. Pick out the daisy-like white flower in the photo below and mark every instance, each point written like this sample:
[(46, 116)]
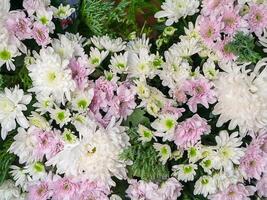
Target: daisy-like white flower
[(62, 12), (229, 150), (194, 154), (184, 172), (44, 103), (62, 117), (36, 170), (12, 104), (164, 152), (139, 43), (20, 177), (205, 185), (209, 69), (7, 54), (82, 100), (95, 157), (9, 191), (24, 145), (109, 44), (118, 63), (146, 134), (38, 121), (165, 126), (140, 64), (242, 97), (45, 17), (176, 9), (63, 47), (51, 76), (96, 57)]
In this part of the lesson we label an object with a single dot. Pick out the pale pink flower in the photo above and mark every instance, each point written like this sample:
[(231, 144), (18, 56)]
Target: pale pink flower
[(201, 92), (64, 189), (19, 25), (253, 163), (179, 95), (123, 103), (222, 51), (257, 18), (142, 190), (262, 186), (40, 34), (234, 192), (214, 6), (170, 189), (92, 190), (232, 20), (79, 72), (170, 109), (209, 29), (189, 132), (39, 191), (32, 5)]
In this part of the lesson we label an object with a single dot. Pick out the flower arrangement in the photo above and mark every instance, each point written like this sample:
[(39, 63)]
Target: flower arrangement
[(175, 109)]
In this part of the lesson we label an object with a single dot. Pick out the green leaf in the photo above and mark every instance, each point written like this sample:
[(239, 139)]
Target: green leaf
[(136, 118)]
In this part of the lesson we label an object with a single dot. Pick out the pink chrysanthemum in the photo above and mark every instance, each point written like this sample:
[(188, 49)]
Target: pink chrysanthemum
[(189, 132), (223, 52), (64, 188), (209, 29), (79, 72), (234, 192), (257, 18), (40, 34), (201, 92), (214, 6), (168, 108), (40, 191), (262, 186), (252, 164), (19, 25)]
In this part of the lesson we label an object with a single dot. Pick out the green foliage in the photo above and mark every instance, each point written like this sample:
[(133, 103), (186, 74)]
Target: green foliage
[(6, 159), (145, 160), (243, 46), (137, 117)]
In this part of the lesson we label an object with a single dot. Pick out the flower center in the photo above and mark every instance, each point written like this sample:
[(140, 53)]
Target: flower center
[(5, 55)]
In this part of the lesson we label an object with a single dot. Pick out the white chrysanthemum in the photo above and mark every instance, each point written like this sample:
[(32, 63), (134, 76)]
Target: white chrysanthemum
[(44, 103), (174, 70), (184, 172), (165, 126), (45, 17), (7, 55), (145, 134), (164, 152), (138, 44), (8, 191), (241, 97), (24, 145), (205, 185), (176, 9), (209, 69), (36, 170), (109, 44), (223, 179), (38, 121), (20, 177), (62, 117), (229, 151), (82, 99), (51, 76), (96, 57), (12, 104), (140, 64), (63, 47), (95, 157), (118, 63), (62, 12)]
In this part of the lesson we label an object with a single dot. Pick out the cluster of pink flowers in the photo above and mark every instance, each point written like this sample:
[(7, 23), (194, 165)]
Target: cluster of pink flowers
[(220, 20), (112, 100), (68, 188), (169, 190)]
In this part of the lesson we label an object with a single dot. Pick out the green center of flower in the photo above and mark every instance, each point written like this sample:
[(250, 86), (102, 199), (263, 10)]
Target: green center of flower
[(52, 76), (169, 123), (61, 115), (204, 181), (147, 134), (44, 20), (164, 151), (5, 55), (188, 169), (207, 163), (121, 65), (68, 136), (6, 105), (95, 61), (82, 104), (192, 152), (39, 167)]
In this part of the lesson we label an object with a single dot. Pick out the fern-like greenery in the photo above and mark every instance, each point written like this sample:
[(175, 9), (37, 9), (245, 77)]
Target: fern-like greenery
[(6, 159), (145, 160), (243, 46)]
